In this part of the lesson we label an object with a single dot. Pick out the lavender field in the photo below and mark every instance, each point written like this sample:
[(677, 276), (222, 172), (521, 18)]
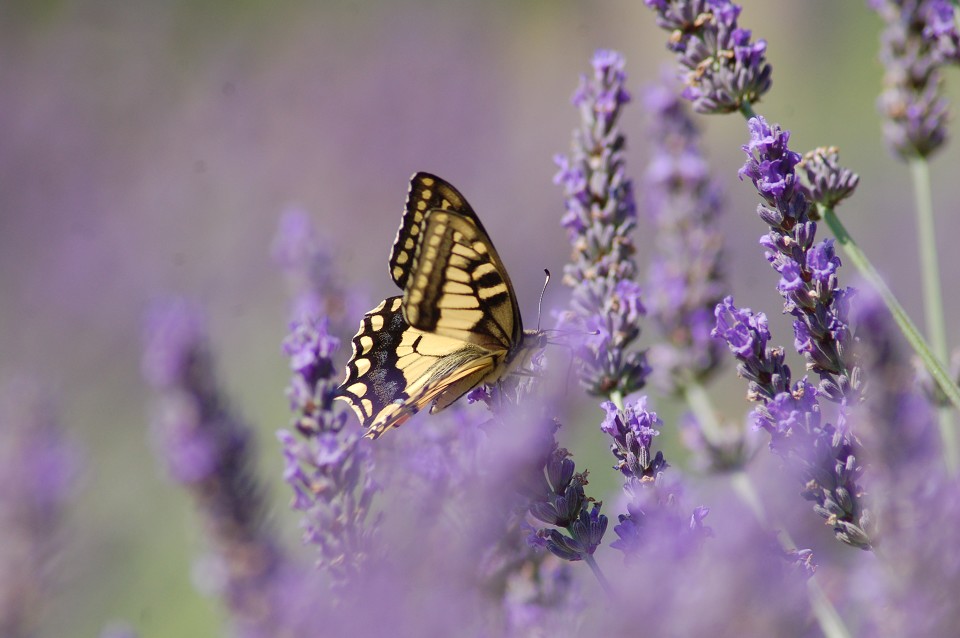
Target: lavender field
[(732, 434)]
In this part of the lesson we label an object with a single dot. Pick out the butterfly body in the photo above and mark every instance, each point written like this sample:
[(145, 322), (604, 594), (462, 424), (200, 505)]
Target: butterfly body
[(456, 325)]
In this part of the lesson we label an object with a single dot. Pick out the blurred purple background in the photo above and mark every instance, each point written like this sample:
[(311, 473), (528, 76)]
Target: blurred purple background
[(149, 148)]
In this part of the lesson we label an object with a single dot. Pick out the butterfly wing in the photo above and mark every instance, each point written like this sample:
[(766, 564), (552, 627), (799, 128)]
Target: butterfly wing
[(427, 192), (397, 370), (459, 288)]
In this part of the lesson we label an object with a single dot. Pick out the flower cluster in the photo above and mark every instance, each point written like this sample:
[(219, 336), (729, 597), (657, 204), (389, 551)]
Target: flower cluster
[(209, 449), (724, 70), (329, 467), (652, 504), (600, 217), (808, 270), (827, 457), (921, 36), (823, 180), (685, 280), (557, 498)]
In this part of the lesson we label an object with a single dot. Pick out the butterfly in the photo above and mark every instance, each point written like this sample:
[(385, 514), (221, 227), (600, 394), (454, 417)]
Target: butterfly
[(456, 325)]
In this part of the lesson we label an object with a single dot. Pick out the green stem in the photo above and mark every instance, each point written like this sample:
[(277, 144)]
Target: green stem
[(926, 235), (604, 583), (702, 407), (916, 341), (933, 296), (617, 399), (830, 621), (746, 109)]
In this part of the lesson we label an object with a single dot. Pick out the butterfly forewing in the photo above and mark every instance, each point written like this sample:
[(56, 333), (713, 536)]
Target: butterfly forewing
[(426, 193), (458, 287)]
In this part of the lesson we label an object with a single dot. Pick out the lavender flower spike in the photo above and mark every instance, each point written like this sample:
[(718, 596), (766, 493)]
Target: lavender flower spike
[(827, 458), (808, 271), (920, 37), (38, 468), (747, 335), (209, 450), (653, 512), (329, 467), (600, 216), (725, 70), (686, 279), (556, 497)]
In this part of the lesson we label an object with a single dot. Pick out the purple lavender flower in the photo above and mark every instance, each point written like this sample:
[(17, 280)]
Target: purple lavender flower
[(600, 217), (632, 431), (920, 37), (808, 271), (827, 458), (747, 335), (38, 472), (702, 584), (686, 280), (725, 70), (823, 180), (556, 497), (209, 450), (329, 467), (652, 504)]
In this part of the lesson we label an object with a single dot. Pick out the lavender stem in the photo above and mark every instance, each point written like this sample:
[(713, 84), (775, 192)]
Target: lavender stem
[(617, 398), (827, 617), (932, 289), (702, 407), (604, 583), (933, 294)]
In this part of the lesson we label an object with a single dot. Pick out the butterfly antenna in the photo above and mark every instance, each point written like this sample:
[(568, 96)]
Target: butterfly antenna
[(540, 303)]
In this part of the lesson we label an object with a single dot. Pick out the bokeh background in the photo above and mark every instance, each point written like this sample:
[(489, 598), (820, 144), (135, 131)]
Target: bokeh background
[(150, 147)]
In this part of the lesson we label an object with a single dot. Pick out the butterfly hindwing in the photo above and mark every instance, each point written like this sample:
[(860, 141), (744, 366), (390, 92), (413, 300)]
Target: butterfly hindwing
[(397, 370)]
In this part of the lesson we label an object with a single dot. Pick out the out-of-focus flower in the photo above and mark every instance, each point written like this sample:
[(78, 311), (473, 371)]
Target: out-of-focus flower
[(315, 289), (329, 466), (209, 450), (685, 280), (704, 581), (600, 217), (723, 67), (920, 37), (38, 471), (652, 503)]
